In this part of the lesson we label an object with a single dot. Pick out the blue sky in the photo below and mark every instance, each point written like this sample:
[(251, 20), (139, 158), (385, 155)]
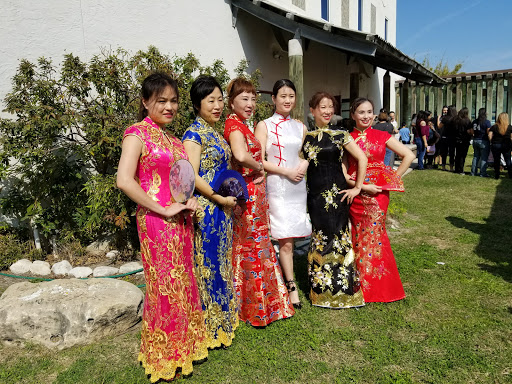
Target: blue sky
[(475, 32)]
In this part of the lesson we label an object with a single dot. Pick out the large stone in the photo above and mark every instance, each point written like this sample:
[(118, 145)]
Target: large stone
[(66, 312), (80, 272), (112, 254), (103, 271), (99, 247), (21, 266), (130, 267), (40, 268), (62, 268)]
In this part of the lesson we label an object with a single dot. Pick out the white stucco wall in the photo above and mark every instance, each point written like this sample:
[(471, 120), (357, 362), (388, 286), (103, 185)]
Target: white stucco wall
[(51, 28)]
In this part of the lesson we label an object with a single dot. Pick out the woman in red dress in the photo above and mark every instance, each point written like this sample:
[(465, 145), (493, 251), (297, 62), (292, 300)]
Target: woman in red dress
[(259, 284), (376, 264)]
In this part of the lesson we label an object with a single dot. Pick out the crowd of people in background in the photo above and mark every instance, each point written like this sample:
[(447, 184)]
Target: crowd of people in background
[(442, 142)]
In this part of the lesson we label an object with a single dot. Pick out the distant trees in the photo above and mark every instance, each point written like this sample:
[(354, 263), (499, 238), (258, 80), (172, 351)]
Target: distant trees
[(441, 68)]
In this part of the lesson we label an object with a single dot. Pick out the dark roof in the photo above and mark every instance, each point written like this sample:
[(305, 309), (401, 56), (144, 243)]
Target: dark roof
[(368, 47)]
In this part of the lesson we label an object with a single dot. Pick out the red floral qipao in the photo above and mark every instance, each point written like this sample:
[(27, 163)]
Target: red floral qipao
[(259, 283), (380, 280), (173, 328)]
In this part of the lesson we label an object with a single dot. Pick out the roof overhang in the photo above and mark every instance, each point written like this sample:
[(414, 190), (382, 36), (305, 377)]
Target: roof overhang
[(368, 47)]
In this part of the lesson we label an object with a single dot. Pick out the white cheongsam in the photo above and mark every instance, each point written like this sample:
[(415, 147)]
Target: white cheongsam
[(287, 199)]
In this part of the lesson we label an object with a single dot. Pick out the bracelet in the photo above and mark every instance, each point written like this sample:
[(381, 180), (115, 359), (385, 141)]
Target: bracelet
[(261, 166)]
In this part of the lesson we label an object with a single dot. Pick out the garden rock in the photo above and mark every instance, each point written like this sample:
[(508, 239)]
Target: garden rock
[(130, 267), (62, 313), (40, 268), (21, 266), (80, 272), (112, 254), (103, 271), (62, 268), (99, 247)]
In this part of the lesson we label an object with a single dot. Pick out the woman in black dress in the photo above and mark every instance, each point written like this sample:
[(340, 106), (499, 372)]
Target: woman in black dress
[(331, 266)]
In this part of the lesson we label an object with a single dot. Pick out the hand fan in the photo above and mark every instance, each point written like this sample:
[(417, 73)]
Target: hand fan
[(231, 183), (382, 176), (182, 180)]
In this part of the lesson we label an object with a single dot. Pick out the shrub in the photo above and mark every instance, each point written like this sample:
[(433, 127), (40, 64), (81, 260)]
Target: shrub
[(59, 156)]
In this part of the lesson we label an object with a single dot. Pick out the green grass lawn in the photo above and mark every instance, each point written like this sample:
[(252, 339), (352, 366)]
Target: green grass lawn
[(455, 326)]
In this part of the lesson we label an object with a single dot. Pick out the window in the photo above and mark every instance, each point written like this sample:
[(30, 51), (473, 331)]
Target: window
[(325, 9), (360, 15), (386, 29)]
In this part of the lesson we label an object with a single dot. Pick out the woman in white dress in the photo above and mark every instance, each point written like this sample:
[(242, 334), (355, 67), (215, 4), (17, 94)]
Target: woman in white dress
[(281, 139)]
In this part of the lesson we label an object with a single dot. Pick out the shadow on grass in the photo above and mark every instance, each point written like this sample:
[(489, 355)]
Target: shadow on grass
[(495, 234)]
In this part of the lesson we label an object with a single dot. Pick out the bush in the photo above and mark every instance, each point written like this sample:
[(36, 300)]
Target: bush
[(12, 250), (59, 156)]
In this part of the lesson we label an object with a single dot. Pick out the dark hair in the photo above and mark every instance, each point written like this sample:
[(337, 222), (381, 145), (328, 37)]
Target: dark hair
[(202, 87), (357, 102), (238, 86), (153, 86), (482, 115), (317, 98), (282, 83), (421, 116), (391, 112), (463, 113)]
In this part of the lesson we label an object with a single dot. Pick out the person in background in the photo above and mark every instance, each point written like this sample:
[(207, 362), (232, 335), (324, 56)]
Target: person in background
[(393, 122), (442, 140), (405, 134), (433, 138), (420, 137), (481, 144), (173, 329), (447, 126), (464, 132), (384, 125), (500, 136)]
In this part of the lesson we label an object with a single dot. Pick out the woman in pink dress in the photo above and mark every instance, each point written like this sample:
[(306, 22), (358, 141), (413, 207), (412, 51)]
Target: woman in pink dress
[(173, 328), (259, 284), (376, 264)]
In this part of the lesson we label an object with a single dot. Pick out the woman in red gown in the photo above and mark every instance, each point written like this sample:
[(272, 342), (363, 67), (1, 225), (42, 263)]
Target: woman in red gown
[(259, 284), (376, 264)]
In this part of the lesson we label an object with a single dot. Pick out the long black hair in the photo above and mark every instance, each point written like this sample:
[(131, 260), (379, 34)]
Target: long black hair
[(154, 85)]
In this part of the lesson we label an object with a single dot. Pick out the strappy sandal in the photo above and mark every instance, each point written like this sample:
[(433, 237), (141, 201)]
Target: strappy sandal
[(292, 287)]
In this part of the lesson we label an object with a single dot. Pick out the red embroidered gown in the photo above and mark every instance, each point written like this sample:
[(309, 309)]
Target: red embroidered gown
[(259, 284), (380, 280)]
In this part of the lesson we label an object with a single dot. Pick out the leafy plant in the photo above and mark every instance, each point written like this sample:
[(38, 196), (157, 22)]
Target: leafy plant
[(59, 154)]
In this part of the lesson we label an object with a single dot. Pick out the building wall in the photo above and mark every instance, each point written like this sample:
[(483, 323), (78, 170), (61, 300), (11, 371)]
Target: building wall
[(31, 29)]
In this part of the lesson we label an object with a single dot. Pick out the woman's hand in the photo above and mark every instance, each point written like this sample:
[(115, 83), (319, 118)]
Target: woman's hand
[(230, 201), (295, 174), (173, 209), (192, 204), (372, 189), (259, 177), (349, 194)]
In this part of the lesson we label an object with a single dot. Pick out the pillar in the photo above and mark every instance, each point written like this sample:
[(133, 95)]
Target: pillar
[(421, 97), (488, 101), (509, 94), (296, 73), (398, 109), (449, 93), (413, 98), (406, 102), (469, 96), (440, 103), (500, 90), (386, 91), (458, 93), (479, 103)]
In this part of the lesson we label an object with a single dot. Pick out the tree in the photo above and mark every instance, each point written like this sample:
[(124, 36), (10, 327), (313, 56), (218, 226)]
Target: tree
[(441, 68), (59, 155)]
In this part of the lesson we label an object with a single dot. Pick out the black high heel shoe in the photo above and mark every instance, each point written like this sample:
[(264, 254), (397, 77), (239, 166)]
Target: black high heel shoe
[(290, 285)]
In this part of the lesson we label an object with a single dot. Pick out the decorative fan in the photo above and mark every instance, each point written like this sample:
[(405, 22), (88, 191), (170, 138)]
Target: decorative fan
[(182, 180), (231, 183), (382, 176)]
